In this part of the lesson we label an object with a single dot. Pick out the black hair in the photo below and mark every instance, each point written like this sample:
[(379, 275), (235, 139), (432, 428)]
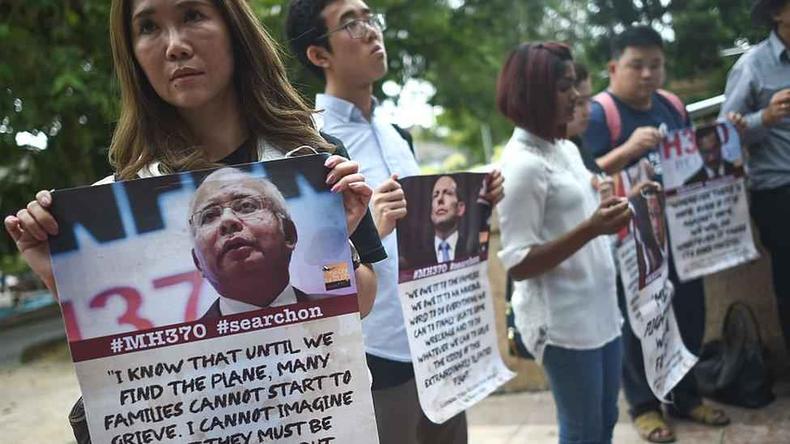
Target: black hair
[(459, 187), (706, 131), (582, 73), (305, 26), (635, 36), (763, 11)]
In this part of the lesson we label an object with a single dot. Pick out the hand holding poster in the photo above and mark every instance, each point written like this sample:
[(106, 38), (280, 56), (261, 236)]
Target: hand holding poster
[(707, 210), (214, 306), (443, 249), (644, 270)]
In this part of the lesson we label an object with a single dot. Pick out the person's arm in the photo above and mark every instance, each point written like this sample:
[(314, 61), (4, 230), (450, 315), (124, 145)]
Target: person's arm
[(493, 190), (525, 253), (344, 177), (778, 108), (597, 139), (366, 288), (388, 205), (609, 218), (740, 105), (30, 229), (641, 141)]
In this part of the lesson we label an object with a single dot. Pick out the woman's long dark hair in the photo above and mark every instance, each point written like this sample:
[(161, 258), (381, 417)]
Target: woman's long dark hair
[(150, 130)]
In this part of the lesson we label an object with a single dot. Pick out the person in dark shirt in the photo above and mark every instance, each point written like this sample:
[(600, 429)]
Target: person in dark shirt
[(636, 72)]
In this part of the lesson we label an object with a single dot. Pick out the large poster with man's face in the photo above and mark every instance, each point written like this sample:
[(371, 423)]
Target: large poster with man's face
[(444, 292), (643, 261), (707, 210), (214, 306)]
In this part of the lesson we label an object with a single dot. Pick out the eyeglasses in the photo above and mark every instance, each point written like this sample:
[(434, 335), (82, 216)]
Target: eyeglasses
[(243, 207), (358, 28)]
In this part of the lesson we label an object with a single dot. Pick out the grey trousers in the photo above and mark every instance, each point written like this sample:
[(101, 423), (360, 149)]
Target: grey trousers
[(401, 420)]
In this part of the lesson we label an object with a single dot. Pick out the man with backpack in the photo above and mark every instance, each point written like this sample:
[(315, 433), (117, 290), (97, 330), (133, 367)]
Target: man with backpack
[(626, 125), (341, 41)]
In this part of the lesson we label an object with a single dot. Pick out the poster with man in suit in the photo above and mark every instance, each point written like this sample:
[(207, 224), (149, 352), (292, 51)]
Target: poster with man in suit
[(445, 296), (707, 211), (214, 306), (642, 259), (714, 166)]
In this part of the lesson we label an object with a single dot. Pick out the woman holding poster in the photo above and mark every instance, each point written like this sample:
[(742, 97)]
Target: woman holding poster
[(554, 244), (202, 85)]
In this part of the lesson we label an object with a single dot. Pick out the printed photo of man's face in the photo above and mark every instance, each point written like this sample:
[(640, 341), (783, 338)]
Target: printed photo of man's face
[(709, 147), (656, 217), (239, 231), (446, 208)]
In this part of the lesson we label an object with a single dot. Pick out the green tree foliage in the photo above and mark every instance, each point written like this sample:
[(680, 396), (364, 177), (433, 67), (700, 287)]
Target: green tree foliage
[(55, 78), (699, 29)]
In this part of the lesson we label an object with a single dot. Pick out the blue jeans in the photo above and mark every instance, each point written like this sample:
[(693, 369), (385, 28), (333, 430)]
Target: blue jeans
[(585, 384)]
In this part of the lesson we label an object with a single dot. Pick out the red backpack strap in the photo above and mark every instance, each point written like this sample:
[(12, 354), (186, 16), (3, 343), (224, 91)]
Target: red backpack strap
[(675, 102), (611, 114)]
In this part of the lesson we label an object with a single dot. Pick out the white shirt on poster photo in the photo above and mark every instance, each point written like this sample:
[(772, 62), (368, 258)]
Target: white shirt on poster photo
[(228, 306), (548, 192), (713, 174)]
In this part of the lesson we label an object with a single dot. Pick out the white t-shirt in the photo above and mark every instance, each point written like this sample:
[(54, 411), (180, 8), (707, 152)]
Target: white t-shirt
[(548, 193)]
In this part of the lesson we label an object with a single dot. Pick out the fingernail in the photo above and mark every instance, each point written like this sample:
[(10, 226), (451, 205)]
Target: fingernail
[(330, 179), (335, 188)]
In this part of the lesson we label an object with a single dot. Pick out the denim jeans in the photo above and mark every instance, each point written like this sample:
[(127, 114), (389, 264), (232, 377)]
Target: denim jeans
[(585, 384), (688, 304)]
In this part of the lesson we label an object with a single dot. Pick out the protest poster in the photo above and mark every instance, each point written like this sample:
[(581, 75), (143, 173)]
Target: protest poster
[(707, 210), (644, 269), (444, 292), (214, 307)]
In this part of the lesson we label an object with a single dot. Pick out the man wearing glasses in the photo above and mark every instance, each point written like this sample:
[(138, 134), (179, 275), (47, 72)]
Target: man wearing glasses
[(243, 239), (341, 41)]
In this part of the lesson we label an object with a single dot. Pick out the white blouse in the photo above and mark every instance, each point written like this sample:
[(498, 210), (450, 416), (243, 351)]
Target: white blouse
[(548, 193)]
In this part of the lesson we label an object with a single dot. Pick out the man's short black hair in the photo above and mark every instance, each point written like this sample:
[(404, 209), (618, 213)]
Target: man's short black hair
[(459, 189), (305, 26), (635, 36), (707, 131), (763, 11)]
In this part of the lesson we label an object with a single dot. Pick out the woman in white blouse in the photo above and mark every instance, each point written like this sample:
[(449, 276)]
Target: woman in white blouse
[(554, 244)]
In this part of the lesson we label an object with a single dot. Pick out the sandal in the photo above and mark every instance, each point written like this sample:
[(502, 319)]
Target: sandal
[(707, 415), (653, 428)]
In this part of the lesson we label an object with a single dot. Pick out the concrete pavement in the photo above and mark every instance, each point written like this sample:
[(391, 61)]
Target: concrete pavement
[(528, 417), (35, 397)]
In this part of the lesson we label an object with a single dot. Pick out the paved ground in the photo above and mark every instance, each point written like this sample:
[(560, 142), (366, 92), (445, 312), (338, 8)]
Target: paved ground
[(36, 396), (529, 418)]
